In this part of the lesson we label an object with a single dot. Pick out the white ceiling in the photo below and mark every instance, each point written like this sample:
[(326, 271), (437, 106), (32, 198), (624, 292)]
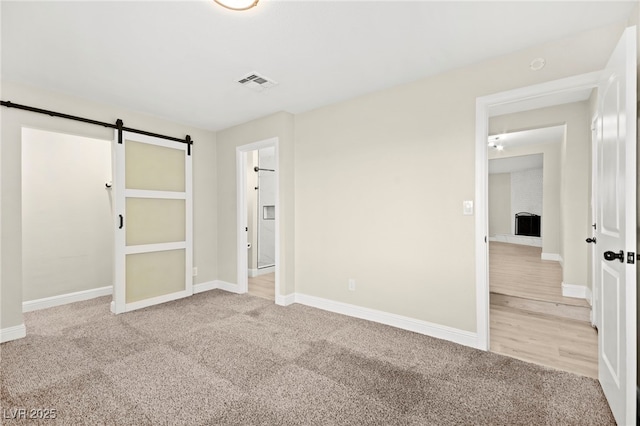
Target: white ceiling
[(515, 164), (554, 134), (180, 60)]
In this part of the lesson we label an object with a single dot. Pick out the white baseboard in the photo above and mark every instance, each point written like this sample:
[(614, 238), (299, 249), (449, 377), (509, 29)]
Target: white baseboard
[(216, 284), (206, 286), (551, 256), (261, 271), (231, 287), (63, 299), (12, 333), (589, 296), (575, 291), (462, 337), (522, 240), (287, 300)]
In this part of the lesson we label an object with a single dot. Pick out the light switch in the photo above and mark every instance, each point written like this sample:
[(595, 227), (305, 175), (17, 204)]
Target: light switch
[(467, 208)]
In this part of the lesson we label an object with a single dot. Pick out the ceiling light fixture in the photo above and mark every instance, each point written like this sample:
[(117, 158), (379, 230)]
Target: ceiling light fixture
[(495, 145), (237, 4)]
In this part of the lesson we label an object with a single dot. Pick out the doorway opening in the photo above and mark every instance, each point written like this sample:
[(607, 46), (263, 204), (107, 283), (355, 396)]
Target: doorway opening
[(558, 92), (526, 242), (615, 201), (259, 219), (67, 236), (261, 215)]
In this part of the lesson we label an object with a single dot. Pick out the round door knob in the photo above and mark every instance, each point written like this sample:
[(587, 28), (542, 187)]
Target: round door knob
[(609, 255)]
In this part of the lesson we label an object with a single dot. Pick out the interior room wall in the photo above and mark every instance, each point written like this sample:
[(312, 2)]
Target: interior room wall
[(13, 120), (499, 204), (402, 160), (573, 196), (67, 222), (526, 193), (551, 172), (278, 125)]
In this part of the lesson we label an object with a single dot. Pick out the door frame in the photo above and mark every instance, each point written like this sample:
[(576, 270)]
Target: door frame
[(241, 212), (511, 101), (595, 291)]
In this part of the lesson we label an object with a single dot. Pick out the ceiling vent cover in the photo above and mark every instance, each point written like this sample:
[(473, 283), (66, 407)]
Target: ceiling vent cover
[(257, 82)]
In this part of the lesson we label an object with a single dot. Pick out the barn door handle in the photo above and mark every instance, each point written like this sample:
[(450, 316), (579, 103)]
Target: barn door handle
[(121, 221), (609, 255)]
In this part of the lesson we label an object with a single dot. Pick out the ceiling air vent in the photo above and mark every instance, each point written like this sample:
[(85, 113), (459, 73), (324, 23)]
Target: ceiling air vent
[(257, 82)]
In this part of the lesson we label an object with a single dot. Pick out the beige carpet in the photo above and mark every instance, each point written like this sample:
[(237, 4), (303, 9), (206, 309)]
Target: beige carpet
[(223, 359)]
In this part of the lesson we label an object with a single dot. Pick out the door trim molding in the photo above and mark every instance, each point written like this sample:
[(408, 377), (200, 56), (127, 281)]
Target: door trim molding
[(242, 266), (516, 100)]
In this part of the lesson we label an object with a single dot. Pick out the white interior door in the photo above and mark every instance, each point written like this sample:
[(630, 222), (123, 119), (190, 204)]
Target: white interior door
[(153, 221), (616, 228)]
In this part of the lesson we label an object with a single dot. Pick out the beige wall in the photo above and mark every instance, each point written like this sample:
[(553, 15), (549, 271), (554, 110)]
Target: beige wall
[(380, 182), (551, 176), (551, 172), (376, 190), (402, 162), (278, 125), (67, 231), (205, 185), (573, 176), (499, 204)]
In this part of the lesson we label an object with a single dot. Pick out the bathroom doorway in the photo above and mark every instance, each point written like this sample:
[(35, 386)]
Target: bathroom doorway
[(259, 219), (261, 215)]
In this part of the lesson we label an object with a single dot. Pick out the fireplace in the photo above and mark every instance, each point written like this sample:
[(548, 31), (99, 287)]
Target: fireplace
[(527, 224)]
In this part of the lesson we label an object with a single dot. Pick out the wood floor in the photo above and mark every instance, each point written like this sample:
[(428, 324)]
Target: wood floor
[(517, 270), (527, 316), (263, 286)]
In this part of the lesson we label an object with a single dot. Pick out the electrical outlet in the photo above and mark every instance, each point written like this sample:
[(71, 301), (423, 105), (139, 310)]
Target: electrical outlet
[(352, 284), (195, 271)]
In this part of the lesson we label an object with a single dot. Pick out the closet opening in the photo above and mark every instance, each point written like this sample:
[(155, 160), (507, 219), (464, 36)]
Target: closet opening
[(67, 233)]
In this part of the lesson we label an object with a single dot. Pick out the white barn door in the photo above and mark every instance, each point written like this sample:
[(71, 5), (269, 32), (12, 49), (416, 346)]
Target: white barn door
[(153, 221), (615, 276)]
